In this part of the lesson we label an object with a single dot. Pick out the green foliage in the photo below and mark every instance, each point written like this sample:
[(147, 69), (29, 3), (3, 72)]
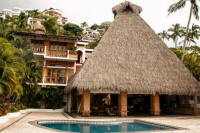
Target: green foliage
[(15, 23), (33, 13), (12, 72), (33, 71), (164, 35), (52, 96), (191, 60), (15, 107), (181, 4), (194, 10), (72, 30), (93, 44), (20, 71), (105, 25), (175, 33), (94, 26), (84, 24), (51, 25), (176, 6)]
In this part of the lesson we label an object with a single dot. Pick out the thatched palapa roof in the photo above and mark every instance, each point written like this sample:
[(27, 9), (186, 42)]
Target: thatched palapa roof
[(131, 57)]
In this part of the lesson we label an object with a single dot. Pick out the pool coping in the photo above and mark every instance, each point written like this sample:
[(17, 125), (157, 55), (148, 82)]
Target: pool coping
[(35, 123)]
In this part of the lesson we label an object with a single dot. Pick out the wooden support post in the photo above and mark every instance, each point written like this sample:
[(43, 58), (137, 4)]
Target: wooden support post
[(122, 104), (56, 71), (86, 103), (44, 76), (195, 109), (69, 102), (155, 104)]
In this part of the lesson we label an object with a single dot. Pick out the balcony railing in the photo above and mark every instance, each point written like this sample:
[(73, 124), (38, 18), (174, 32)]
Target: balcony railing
[(56, 53), (38, 50), (55, 80), (67, 54)]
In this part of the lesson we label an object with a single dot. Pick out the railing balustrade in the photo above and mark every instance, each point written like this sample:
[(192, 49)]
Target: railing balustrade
[(56, 80), (58, 53), (38, 50)]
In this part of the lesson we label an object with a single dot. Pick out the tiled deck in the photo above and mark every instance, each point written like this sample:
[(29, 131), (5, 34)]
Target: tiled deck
[(191, 123)]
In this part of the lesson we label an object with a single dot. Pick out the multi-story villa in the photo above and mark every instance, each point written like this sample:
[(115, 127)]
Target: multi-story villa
[(92, 35), (14, 12), (56, 13), (33, 21), (59, 62)]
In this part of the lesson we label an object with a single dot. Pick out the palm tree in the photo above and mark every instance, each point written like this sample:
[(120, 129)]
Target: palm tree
[(176, 33), (195, 31), (164, 35), (84, 24), (193, 10), (12, 68), (33, 69), (193, 34), (33, 13)]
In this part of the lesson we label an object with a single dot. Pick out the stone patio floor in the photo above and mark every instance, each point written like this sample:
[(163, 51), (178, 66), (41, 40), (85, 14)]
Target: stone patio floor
[(21, 124)]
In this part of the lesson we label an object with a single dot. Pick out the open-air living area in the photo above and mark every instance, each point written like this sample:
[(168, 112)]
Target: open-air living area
[(123, 75)]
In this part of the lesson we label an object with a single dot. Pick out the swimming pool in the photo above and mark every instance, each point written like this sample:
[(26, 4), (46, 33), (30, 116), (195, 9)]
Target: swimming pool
[(102, 127)]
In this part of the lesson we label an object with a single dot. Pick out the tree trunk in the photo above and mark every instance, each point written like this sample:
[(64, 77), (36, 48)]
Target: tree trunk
[(187, 30), (176, 40)]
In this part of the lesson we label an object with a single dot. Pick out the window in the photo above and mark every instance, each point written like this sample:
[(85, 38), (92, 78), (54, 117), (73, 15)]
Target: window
[(56, 46), (35, 44), (63, 75), (49, 72), (58, 77), (58, 73), (53, 75), (56, 49), (60, 47), (51, 48), (49, 75), (64, 49)]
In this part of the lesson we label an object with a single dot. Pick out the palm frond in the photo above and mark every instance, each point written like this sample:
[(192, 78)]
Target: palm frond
[(196, 10), (176, 6)]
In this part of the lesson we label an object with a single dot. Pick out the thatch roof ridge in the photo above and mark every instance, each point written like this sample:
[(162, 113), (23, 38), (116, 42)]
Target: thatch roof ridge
[(131, 57), (126, 5)]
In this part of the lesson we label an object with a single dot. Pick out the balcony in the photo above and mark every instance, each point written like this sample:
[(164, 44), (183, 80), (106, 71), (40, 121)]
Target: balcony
[(54, 81), (38, 51), (62, 56)]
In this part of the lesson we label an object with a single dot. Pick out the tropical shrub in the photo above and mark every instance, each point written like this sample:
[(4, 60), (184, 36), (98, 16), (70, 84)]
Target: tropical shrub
[(52, 96), (12, 72), (191, 60)]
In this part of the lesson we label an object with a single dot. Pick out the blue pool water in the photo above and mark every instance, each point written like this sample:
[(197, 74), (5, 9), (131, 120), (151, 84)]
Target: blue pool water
[(96, 127)]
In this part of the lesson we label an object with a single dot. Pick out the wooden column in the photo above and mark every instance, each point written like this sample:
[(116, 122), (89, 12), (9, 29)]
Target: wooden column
[(51, 75), (46, 47), (56, 71), (86, 103), (155, 104), (69, 102), (44, 76), (195, 109), (122, 104)]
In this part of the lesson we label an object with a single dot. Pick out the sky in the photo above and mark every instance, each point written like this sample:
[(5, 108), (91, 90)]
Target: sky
[(97, 11)]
